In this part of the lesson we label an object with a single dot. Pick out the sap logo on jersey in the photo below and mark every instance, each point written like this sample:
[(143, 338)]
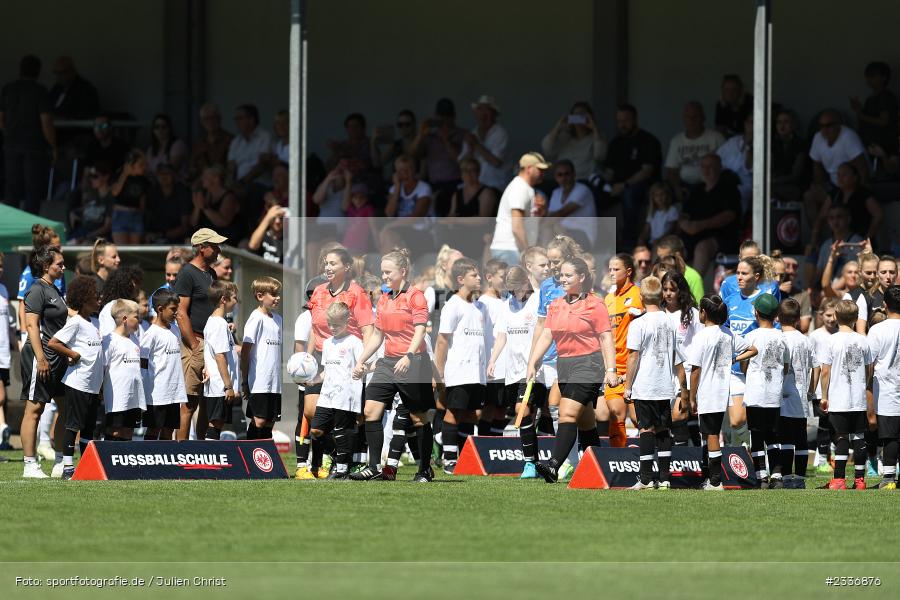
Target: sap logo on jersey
[(515, 455), (176, 460), (634, 466)]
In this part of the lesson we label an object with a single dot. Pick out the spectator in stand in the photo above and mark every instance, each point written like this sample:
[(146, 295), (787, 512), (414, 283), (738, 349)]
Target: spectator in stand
[(329, 197), (169, 220), (385, 147), (737, 157), (515, 230), (643, 263), (130, 204), (212, 147), (632, 164), (471, 209), (215, 205), (282, 128), (673, 245), (267, 239), (360, 221), (687, 148), (834, 145), (280, 182), (487, 143), (789, 154), (105, 146), (166, 148), (438, 144), (91, 217), (866, 214), (733, 107), (877, 118), (73, 97), (843, 245), (355, 152), (711, 215), (29, 138), (410, 211), (248, 152), (576, 138), (662, 217), (572, 204)]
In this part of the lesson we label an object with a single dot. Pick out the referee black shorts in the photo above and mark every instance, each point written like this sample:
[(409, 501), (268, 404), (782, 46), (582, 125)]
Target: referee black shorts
[(81, 410), (414, 386), (580, 377)]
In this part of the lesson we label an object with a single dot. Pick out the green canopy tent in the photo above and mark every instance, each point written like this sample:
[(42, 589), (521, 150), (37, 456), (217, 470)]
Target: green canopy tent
[(15, 227)]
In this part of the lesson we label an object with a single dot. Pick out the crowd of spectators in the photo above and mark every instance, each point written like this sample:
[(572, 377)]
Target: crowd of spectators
[(432, 178)]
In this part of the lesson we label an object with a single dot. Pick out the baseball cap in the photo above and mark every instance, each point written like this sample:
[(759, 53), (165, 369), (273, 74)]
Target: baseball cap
[(533, 159), (207, 235), (766, 304)]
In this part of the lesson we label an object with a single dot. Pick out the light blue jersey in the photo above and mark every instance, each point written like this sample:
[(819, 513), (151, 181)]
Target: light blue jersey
[(550, 291)]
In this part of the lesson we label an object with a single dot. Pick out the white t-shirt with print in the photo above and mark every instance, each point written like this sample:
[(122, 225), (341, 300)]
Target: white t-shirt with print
[(517, 321), (713, 350), (684, 154), (303, 326), (495, 307), (848, 354), (765, 371), (264, 332), (846, 147), (217, 340), (819, 339), (794, 402), (518, 195), (884, 344), (584, 218), (107, 324), (653, 337), (123, 386), (339, 389), (163, 377), (466, 324), (684, 337), (81, 336)]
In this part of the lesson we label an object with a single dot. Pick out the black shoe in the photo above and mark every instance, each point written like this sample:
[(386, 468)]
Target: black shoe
[(426, 475), (776, 483), (547, 471), (389, 473), (337, 475), (366, 474), (764, 483)]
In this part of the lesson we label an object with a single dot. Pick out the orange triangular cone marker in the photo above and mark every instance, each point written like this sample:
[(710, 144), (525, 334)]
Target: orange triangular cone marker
[(89, 467), (469, 463), (588, 475)]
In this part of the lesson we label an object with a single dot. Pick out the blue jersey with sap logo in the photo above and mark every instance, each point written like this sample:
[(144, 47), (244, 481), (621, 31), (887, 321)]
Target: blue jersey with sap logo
[(742, 315), (550, 291), (26, 279)]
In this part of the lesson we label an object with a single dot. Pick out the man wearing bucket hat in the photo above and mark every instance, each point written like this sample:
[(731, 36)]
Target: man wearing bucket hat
[(487, 143), (194, 308), (515, 228)]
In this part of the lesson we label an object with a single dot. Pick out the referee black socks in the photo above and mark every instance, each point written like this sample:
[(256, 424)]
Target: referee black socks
[(375, 439), (565, 439), (529, 438)]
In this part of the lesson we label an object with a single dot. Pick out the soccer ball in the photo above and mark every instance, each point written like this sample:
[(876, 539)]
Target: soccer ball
[(302, 367)]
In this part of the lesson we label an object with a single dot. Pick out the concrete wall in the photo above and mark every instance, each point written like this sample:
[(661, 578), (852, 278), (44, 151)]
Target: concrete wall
[(679, 51)]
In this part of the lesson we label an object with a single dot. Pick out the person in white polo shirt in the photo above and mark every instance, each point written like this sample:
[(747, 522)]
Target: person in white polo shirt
[(515, 228)]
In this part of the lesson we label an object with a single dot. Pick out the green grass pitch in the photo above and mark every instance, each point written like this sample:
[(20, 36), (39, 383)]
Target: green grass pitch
[(467, 537)]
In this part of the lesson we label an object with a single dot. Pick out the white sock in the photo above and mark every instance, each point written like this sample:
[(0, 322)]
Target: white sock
[(29, 460), (67, 461)]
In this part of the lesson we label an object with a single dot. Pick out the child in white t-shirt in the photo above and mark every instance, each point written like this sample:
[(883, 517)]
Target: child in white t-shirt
[(341, 397), (123, 386), (662, 216), (79, 341), (796, 404), (711, 356), (461, 358), (884, 342), (163, 375), (846, 367), (765, 384), (261, 360), (220, 359), (819, 339), (653, 361), (493, 416)]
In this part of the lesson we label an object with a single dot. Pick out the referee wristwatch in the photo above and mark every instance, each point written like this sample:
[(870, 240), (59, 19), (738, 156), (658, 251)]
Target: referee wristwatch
[(611, 370), (410, 355)]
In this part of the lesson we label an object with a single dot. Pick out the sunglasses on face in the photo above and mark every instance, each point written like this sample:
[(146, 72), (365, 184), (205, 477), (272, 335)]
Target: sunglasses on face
[(644, 261)]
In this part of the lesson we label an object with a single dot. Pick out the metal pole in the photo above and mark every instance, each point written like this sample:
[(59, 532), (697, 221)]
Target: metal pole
[(294, 257), (762, 103)]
